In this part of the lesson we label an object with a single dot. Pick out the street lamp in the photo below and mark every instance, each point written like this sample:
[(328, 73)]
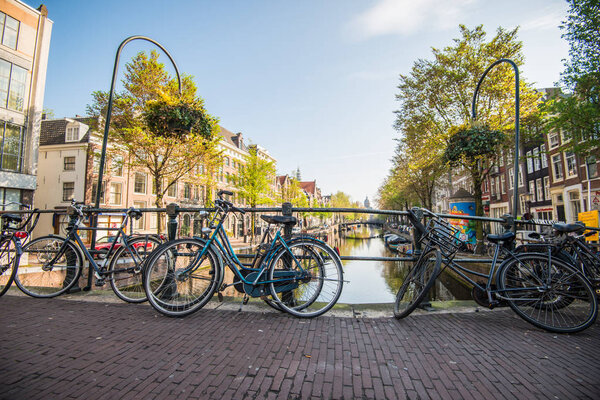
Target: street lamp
[(474, 117), (109, 108), (107, 126)]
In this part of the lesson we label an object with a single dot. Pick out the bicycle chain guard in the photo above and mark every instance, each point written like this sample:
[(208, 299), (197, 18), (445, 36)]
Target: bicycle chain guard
[(259, 289)]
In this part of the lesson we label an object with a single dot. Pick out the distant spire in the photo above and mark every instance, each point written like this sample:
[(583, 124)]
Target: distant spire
[(298, 174), (367, 202)]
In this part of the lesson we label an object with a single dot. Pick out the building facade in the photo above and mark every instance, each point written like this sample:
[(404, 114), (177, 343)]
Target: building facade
[(24, 46)]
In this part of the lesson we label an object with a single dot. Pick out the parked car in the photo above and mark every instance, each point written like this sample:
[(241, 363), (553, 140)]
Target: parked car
[(103, 245)]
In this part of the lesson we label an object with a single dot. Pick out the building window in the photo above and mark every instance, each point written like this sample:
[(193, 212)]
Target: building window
[(536, 159), (9, 28), (95, 188), (553, 140), (140, 223), (520, 176), (139, 186), (187, 190), (529, 162), (511, 178), (68, 190), (547, 187), (172, 191), (575, 204), (72, 134), (501, 159), (9, 196), (539, 189), (571, 164), (13, 138), (117, 165), (503, 183), (557, 167), (532, 190), (592, 167), (69, 163), (543, 156), (116, 190), (13, 80)]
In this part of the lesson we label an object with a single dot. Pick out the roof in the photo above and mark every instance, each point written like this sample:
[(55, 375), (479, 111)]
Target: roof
[(53, 130), (309, 187), (461, 194), (234, 139), (281, 179)]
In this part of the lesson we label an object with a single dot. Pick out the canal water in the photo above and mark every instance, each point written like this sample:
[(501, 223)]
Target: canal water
[(370, 282)]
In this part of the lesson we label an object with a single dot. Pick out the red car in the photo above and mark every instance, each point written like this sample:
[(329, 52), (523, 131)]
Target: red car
[(103, 244)]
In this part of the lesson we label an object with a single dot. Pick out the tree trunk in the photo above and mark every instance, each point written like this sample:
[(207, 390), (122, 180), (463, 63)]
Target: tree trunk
[(478, 209), (158, 203)]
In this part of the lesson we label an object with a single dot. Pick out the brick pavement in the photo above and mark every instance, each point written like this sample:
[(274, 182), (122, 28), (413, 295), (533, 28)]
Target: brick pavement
[(58, 349)]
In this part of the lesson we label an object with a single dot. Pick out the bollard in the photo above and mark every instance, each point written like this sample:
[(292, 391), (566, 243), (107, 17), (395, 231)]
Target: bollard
[(172, 213), (287, 211)]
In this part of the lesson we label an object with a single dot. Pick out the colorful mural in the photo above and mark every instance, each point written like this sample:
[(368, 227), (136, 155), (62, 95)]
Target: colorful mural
[(465, 227)]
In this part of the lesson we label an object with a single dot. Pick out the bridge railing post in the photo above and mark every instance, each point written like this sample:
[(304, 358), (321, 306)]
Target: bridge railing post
[(286, 210)]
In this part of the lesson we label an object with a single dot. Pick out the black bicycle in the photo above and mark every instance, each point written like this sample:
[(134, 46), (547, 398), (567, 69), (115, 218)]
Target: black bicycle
[(14, 232), (543, 290), (51, 265)]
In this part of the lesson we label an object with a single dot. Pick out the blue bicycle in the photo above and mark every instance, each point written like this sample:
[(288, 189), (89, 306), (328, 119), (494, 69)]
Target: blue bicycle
[(299, 274)]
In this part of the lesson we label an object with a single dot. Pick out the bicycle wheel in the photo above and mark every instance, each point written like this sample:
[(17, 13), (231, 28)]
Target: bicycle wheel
[(176, 281), (39, 275), (418, 282), (552, 296), (307, 278), (125, 270), (9, 262)]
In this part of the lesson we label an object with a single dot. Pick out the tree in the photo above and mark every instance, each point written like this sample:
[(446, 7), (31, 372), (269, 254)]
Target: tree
[(577, 114), (436, 96), (255, 179), (472, 148), (167, 134)]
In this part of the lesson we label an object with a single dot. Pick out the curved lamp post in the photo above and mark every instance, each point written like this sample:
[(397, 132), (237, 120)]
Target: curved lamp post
[(474, 117), (110, 102), (107, 125)]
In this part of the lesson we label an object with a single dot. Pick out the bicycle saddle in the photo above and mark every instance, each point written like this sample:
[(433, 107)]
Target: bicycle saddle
[(503, 237), (12, 218), (280, 219), (135, 213), (568, 228)]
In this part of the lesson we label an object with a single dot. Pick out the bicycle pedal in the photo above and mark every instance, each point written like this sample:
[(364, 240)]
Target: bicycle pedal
[(220, 296), (100, 282), (245, 299)]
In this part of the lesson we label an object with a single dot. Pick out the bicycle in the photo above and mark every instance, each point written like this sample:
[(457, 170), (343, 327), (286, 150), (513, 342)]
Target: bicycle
[(300, 275), (544, 291), (11, 246), (52, 265), (568, 243)]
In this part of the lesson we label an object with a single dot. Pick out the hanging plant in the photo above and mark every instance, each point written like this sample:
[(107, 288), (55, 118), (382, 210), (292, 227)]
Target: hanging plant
[(176, 118)]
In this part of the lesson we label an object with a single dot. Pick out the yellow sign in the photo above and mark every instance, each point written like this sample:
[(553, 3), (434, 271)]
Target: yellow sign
[(590, 219)]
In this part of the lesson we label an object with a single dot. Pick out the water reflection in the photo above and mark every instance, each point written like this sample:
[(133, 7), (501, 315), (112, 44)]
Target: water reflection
[(379, 281)]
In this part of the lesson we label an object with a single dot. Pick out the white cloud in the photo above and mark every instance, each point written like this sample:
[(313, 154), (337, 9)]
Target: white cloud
[(405, 17), (551, 20)]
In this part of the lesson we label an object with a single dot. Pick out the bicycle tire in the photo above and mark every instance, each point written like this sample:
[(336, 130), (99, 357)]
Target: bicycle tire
[(555, 297), (319, 283), (125, 271), (176, 295), (36, 278), (418, 282), (9, 263)]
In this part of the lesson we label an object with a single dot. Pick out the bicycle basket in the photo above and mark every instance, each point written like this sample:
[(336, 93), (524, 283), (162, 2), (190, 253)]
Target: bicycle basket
[(442, 234)]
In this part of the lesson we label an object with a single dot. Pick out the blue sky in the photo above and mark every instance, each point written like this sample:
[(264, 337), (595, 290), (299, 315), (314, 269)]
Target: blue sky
[(311, 81)]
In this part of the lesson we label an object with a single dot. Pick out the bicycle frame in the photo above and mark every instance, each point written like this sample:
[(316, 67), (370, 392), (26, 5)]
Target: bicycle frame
[(219, 239), (73, 236)]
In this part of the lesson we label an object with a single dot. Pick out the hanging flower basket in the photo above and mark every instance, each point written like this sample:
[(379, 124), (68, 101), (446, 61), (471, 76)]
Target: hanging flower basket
[(177, 118)]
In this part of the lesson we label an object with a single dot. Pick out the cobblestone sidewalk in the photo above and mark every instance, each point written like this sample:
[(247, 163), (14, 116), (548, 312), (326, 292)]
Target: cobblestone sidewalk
[(57, 349)]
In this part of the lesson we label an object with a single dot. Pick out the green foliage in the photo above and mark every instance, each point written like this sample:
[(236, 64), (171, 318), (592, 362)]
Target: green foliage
[(256, 178), (147, 119), (470, 145), (577, 115), (436, 96)]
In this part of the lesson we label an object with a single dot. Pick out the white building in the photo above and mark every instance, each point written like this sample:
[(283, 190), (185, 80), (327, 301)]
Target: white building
[(24, 46)]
